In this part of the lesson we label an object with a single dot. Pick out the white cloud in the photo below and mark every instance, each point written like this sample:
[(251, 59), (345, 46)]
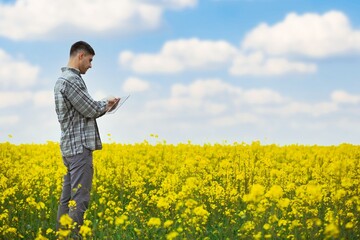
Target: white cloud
[(235, 119), (257, 64), (176, 4), (214, 97), (263, 96), (309, 34), (200, 97), (16, 73), (217, 105), (265, 51), (179, 55), (147, 63), (194, 54), (340, 96), (204, 88), (296, 107), (43, 98), (13, 98), (9, 120), (133, 84), (24, 19)]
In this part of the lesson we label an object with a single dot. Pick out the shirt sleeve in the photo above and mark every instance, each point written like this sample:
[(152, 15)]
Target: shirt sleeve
[(81, 100)]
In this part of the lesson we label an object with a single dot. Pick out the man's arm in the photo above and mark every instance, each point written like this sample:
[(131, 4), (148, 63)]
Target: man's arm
[(83, 102)]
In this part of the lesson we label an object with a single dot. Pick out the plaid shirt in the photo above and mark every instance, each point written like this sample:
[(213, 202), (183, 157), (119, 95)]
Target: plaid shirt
[(77, 113)]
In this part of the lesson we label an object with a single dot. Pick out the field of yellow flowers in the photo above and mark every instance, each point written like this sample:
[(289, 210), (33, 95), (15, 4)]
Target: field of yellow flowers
[(188, 191)]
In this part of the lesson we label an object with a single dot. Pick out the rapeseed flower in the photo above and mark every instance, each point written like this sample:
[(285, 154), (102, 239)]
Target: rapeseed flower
[(121, 220), (275, 192), (266, 226), (154, 222), (85, 231), (172, 235), (283, 203), (66, 221), (158, 190), (168, 223), (331, 231), (256, 193), (349, 225), (200, 211)]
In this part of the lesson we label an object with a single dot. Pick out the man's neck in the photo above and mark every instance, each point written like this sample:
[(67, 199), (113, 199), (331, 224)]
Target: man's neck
[(73, 64)]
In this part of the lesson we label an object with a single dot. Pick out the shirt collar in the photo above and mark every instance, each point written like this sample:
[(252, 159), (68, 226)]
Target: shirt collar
[(74, 70)]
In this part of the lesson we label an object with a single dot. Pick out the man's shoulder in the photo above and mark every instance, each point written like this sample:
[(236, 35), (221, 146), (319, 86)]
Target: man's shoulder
[(68, 77), (65, 79), (60, 85), (70, 74)]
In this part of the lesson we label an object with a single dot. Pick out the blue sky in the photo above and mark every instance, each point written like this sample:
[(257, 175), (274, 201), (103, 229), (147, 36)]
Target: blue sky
[(278, 71)]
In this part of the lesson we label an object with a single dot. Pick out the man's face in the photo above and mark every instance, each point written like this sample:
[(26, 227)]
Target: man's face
[(85, 62)]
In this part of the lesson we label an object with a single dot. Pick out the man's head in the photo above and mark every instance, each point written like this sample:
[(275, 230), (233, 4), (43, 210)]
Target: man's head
[(81, 56)]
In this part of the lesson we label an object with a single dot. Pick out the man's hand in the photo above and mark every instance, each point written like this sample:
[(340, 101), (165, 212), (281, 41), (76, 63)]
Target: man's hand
[(112, 103)]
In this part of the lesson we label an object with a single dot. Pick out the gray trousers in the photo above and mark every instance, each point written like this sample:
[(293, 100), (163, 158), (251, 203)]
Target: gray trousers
[(76, 186)]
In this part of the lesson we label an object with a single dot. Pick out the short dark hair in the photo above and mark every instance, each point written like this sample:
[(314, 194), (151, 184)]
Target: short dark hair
[(81, 45)]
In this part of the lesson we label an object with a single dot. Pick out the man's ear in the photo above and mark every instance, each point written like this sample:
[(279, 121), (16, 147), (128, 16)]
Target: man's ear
[(81, 55)]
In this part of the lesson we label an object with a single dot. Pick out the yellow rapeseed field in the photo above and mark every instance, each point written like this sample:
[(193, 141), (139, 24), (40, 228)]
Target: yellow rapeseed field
[(188, 191)]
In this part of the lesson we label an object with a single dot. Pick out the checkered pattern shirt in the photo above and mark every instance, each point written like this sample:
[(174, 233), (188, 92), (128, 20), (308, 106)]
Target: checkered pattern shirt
[(77, 113)]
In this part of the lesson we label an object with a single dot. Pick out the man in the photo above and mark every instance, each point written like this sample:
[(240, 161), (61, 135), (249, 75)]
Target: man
[(77, 113)]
